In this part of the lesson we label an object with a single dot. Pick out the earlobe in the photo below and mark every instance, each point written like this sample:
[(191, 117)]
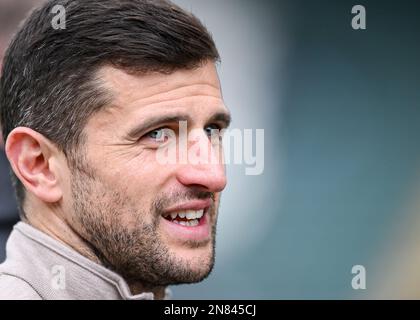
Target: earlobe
[(30, 155)]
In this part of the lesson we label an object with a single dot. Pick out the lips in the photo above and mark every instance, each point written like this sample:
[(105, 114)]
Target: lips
[(188, 221)]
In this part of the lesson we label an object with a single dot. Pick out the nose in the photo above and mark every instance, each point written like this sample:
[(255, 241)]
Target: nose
[(206, 170)]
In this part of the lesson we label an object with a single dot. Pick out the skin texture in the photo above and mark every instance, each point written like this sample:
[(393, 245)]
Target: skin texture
[(108, 202)]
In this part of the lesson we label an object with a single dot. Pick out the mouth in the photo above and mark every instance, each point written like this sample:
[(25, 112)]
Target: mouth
[(186, 218), (188, 222)]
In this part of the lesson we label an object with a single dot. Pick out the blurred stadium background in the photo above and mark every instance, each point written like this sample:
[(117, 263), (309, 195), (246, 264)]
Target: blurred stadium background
[(340, 109)]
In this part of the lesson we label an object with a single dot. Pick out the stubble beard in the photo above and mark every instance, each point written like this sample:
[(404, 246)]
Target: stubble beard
[(136, 252)]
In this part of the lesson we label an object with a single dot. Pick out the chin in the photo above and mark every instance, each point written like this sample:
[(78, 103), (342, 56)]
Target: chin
[(198, 262)]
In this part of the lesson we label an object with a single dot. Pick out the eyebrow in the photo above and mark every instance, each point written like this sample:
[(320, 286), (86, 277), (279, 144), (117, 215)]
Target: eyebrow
[(222, 117)]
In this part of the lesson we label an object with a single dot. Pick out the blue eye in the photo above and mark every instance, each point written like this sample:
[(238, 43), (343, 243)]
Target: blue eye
[(155, 134), (211, 130), (160, 135)]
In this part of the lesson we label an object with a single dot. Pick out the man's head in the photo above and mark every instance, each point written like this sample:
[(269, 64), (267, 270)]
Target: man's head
[(85, 110)]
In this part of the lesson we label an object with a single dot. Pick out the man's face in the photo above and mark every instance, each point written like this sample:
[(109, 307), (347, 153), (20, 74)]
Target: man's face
[(149, 221)]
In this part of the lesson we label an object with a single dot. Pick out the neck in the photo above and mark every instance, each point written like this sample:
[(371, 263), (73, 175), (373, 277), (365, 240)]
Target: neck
[(54, 226)]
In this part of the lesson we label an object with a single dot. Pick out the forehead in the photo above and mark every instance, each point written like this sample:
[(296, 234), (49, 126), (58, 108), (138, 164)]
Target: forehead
[(157, 87)]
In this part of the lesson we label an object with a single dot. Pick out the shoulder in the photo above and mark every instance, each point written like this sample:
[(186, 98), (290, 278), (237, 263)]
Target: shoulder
[(14, 288)]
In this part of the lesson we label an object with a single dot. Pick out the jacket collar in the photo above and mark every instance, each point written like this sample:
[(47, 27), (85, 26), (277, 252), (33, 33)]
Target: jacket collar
[(56, 271)]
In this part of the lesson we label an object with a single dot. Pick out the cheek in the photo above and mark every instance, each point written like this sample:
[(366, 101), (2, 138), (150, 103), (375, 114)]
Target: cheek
[(149, 175), (140, 183), (138, 178), (143, 166)]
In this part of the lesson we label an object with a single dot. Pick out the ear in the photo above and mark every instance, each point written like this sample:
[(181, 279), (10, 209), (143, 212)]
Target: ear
[(35, 161)]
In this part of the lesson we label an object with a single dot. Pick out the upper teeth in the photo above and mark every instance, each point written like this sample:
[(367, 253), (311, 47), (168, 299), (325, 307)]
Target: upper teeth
[(189, 214)]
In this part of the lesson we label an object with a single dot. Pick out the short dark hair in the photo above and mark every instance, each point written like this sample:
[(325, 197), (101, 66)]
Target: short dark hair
[(48, 80)]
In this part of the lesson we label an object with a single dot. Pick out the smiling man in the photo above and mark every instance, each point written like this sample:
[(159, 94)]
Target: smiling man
[(85, 111)]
